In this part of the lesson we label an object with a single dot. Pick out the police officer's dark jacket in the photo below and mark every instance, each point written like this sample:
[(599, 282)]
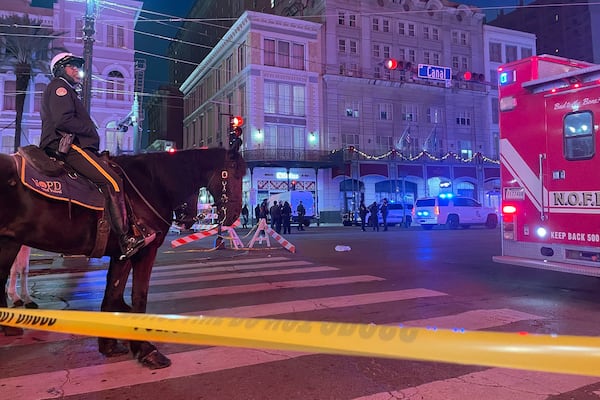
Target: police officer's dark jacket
[(63, 111)]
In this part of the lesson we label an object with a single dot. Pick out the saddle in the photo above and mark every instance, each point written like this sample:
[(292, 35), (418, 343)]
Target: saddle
[(51, 178)]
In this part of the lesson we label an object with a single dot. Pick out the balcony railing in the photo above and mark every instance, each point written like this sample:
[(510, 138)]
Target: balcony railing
[(288, 155)]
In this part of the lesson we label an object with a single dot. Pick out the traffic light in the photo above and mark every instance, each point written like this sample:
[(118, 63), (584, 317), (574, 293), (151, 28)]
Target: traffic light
[(392, 63), (235, 132), (293, 186), (473, 77)]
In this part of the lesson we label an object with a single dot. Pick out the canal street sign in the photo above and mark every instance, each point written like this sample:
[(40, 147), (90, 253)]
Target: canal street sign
[(434, 72)]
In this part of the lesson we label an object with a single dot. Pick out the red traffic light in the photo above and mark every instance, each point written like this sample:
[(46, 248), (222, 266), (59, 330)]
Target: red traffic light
[(391, 63), (467, 76), (237, 131), (237, 121), (473, 76)]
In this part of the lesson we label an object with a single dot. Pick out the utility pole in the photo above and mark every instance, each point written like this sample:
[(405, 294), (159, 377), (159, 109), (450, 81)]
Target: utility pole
[(88, 46)]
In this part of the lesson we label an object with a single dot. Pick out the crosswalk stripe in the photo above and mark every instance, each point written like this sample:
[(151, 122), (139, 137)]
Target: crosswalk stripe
[(98, 285), (491, 384), (100, 274), (120, 374)]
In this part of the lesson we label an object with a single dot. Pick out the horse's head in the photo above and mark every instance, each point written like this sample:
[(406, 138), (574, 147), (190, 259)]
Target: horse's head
[(226, 187)]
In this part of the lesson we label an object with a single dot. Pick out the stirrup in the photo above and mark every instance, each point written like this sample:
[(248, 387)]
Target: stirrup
[(130, 245)]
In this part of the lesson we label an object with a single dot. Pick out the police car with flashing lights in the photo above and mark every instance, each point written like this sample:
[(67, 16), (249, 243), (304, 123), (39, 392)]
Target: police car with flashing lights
[(453, 212)]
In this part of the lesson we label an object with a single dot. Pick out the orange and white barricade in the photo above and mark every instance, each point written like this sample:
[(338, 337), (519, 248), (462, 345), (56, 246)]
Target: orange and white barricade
[(233, 237), (262, 226)]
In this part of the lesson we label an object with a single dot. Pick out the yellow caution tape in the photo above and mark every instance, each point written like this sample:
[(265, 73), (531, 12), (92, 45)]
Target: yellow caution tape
[(547, 353)]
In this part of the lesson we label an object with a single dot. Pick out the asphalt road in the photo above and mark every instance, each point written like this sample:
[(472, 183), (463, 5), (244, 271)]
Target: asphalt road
[(439, 278)]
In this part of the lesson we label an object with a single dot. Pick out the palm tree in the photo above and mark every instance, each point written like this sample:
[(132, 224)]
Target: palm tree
[(27, 46)]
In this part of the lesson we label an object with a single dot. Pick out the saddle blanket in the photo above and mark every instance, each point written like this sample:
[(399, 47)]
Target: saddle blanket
[(64, 186)]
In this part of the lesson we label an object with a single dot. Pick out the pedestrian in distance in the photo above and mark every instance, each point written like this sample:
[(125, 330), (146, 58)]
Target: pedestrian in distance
[(374, 210), (245, 214), (301, 211), (384, 213), (362, 212), (286, 214), (275, 212), (257, 213)]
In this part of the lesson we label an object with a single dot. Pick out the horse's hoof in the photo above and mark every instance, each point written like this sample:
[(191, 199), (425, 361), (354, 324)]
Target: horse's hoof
[(111, 347), (12, 331), (155, 360), (18, 303), (32, 305)]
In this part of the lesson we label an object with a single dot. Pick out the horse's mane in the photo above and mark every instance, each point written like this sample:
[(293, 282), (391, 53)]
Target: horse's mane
[(177, 173)]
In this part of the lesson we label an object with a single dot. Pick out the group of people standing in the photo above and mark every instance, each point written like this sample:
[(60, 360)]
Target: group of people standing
[(280, 214), (373, 211)]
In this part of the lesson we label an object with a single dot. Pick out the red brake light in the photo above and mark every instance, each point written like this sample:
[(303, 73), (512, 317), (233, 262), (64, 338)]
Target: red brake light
[(509, 209)]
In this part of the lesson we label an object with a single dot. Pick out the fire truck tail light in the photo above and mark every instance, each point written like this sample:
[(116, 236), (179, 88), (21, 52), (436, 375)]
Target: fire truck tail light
[(508, 103), (509, 209)]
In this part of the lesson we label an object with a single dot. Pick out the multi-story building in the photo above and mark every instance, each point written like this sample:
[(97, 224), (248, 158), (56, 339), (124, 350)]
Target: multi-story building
[(391, 133), (114, 71), (164, 116), (565, 29), (265, 69)]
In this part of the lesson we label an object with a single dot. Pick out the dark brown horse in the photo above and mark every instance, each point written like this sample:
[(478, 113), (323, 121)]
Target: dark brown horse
[(156, 184)]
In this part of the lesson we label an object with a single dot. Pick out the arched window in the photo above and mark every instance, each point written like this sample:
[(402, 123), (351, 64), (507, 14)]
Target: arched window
[(115, 87)]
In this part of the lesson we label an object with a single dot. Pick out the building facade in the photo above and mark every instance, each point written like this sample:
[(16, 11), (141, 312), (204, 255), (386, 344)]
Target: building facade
[(114, 71), (565, 29), (340, 123)]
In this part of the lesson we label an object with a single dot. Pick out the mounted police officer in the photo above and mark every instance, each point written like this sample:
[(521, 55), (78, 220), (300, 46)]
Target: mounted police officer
[(69, 133)]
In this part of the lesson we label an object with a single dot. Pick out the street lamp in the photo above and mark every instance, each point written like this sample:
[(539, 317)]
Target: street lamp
[(88, 46)]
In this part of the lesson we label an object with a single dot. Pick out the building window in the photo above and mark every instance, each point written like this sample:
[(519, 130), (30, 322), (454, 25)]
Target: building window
[(10, 94), (283, 54), (228, 68), (511, 53), (298, 56), (376, 52), (79, 30), (284, 99), (434, 115), (341, 45), (349, 139), (386, 25), (526, 52), (406, 29), (496, 52), (241, 52), (495, 109), (385, 112), (409, 112), (115, 86), (115, 36), (466, 149), (353, 47), (352, 20), (377, 72), (375, 24), (386, 142), (386, 51), (341, 18), (463, 119), (269, 45), (352, 109)]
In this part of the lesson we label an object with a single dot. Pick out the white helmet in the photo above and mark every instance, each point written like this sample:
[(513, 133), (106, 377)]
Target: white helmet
[(61, 59)]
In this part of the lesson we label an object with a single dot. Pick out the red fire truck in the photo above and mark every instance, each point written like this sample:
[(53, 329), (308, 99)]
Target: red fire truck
[(549, 137)]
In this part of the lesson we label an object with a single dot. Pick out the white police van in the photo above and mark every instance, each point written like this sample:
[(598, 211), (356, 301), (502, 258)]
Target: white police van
[(453, 212)]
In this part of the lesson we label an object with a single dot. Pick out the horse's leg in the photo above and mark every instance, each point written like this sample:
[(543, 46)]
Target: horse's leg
[(146, 352), (116, 279), (23, 259), (8, 251)]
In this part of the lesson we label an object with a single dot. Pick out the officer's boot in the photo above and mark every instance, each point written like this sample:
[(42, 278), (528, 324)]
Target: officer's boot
[(129, 243)]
